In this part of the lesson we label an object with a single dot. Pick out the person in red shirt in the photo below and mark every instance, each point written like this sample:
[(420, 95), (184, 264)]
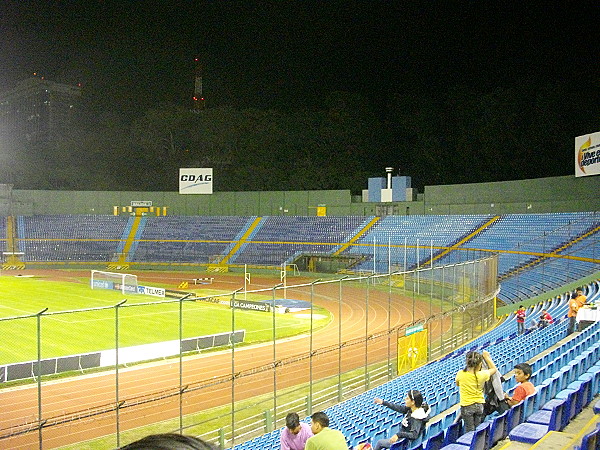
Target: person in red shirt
[(524, 388), (520, 315), (545, 319)]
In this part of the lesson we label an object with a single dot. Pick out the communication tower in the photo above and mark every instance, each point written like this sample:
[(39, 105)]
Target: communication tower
[(198, 97)]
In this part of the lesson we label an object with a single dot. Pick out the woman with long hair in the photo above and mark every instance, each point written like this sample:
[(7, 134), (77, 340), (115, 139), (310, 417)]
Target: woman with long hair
[(470, 381), (416, 414)]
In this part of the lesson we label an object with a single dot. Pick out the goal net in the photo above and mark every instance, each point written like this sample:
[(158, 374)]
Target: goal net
[(124, 282)]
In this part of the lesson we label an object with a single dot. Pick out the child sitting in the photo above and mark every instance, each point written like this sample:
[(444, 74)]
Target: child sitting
[(524, 388)]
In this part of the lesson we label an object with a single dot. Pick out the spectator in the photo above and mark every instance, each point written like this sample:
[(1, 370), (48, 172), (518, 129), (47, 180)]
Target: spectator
[(520, 315), (533, 325), (545, 319), (295, 434), (576, 302), (582, 298), (416, 414), (524, 388), (324, 437), (470, 381), (169, 441)]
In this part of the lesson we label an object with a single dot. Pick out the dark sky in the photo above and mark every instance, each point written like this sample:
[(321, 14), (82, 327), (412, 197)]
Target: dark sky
[(132, 55), (261, 52)]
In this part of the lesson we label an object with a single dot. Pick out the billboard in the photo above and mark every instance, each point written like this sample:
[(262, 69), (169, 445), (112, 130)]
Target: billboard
[(587, 155), (195, 181)]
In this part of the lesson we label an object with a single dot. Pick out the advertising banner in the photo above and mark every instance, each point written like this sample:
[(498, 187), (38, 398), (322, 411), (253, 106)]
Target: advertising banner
[(125, 288), (247, 304), (154, 291), (195, 181), (587, 155)]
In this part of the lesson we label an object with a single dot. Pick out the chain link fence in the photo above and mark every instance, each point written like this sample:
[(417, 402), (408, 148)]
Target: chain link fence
[(241, 391)]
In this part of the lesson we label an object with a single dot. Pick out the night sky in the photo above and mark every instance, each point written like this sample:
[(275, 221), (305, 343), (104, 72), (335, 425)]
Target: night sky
[(134, 55)]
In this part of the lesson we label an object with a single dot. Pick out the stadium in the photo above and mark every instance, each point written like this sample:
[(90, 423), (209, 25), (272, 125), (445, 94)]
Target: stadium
[(131, 313)]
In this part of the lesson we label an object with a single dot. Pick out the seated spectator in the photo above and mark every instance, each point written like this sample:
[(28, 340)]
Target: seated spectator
[(416, 414), (169, 441), (524, 388), (295, 434), (545, 319), (324, 437)]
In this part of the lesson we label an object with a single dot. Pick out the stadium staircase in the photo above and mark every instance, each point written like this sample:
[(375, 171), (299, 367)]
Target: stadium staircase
[(462, 241), (357, 236), (247, 233), (561, 248), (133, 230), (13, 260)]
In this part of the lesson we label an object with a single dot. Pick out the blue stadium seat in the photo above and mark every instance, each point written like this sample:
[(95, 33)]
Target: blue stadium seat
[(498, 430), (435, 442), (478, 440), (530, 432), (453, 432), (590, 441), (514, 417)]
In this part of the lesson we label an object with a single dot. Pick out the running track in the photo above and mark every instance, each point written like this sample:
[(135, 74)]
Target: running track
[(211, 373)]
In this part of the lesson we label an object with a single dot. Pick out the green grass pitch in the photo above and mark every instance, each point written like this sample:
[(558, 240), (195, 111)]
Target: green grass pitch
[(142, 319)]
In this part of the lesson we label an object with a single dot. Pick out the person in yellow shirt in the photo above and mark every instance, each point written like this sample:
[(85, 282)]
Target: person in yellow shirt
[(470, 381), (324, 437)]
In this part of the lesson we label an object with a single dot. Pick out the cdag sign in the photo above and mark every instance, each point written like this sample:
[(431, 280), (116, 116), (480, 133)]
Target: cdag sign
[(195, 181)]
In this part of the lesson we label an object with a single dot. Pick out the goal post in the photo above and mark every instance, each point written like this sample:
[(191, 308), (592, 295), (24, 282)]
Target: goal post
[(124, 282)]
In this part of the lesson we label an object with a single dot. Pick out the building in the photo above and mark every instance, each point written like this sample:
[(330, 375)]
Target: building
[(38, 110)]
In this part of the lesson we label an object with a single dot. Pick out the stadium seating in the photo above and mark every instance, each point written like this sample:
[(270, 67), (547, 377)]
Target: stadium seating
[(281, 237), (188, 239), (70, 237), (519, 239), (3, 243), (570, 369)]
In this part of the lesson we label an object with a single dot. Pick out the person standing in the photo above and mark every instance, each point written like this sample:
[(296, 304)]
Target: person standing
[(582, 298), (416, 414), (520, 315), (576, 302), (470, 381), (295, 434), (324, 437)]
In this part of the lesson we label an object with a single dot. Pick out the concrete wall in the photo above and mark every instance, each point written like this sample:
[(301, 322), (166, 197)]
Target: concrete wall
[(541, 195), (303, 203)]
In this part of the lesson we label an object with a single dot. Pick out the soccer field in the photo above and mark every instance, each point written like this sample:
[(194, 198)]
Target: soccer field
[(81, 320)]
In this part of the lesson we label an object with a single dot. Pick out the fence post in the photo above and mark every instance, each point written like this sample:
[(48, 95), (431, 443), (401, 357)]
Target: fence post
[(340, 395), (117, 403), (221, 438), (274, 336), (311, 336), (233, 294), (308, 405), (268, 421), (39, 373), (181, 389)]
